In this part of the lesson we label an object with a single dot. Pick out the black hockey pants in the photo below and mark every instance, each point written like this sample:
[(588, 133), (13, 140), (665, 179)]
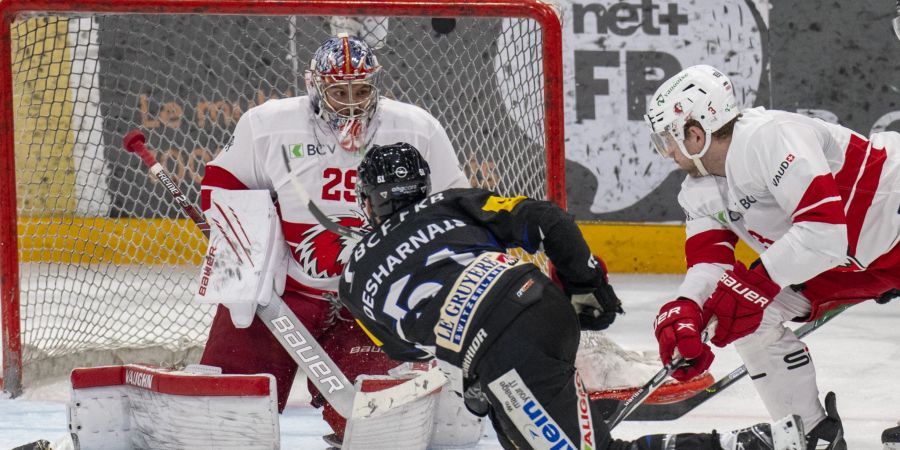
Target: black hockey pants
[(528, 375)]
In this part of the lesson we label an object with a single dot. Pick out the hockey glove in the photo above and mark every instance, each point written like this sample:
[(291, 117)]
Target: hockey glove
[(679, 326), (596, 310), (888, 296), (738, 302)]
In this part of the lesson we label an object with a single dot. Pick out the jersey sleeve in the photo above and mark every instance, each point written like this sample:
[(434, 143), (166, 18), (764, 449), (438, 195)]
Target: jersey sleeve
[(236, 166), (709, 244), (538, 225), (797, 175), (446, 172)]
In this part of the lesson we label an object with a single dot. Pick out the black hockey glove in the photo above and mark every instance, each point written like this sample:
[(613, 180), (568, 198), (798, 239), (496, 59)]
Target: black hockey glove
[(597, 310)]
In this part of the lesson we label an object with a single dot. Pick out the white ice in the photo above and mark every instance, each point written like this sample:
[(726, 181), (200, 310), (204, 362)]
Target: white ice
[(857, 355)]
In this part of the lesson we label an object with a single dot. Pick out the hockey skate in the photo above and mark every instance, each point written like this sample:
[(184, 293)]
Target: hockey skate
[(829, 433), (786, 434), (890, 438)]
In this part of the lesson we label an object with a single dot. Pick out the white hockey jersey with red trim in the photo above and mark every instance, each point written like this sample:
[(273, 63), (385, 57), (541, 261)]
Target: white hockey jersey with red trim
[(805, 194), (253, 159)]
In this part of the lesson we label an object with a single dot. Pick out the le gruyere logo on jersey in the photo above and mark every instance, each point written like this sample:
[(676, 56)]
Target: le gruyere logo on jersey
[(471, 287), (496, 204)]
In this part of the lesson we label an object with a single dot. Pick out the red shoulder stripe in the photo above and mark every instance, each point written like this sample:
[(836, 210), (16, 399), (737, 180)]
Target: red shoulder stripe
[(857, 182), (820, 202)]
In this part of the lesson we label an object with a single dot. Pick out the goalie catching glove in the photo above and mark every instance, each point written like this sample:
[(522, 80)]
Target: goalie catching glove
[(596, 307)]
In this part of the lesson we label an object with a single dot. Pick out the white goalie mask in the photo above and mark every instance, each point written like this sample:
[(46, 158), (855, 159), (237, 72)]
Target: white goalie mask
[(701, 93), (342, 82)]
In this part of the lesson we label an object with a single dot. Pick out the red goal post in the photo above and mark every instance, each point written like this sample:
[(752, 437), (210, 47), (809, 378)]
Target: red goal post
[(81, 229)]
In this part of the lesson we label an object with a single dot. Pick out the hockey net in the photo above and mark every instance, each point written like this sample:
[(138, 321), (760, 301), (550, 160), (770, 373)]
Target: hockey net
[(104, 262)]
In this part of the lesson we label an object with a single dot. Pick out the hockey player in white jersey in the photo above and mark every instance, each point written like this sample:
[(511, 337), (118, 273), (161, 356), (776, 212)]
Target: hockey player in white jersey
[(818, 202), (325, 134)]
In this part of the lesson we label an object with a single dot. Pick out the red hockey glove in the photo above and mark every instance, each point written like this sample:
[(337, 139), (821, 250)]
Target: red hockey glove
[(679, 325), (738, 302)]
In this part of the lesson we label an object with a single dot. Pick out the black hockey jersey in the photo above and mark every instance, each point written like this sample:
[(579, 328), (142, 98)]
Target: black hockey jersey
[(427, 276)]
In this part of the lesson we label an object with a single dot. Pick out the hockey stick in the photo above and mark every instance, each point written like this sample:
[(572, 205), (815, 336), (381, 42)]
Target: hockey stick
[(672, 411), (627, 407), (279, 319), (134, 143)]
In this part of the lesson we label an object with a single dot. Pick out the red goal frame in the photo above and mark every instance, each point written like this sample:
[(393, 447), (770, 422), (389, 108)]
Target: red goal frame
[(537, 10)]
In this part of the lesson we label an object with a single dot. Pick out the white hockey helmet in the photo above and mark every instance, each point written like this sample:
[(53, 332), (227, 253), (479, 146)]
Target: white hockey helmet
[(701, 93)]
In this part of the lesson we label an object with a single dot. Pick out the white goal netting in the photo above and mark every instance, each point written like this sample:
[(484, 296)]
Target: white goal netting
[(106, 260)]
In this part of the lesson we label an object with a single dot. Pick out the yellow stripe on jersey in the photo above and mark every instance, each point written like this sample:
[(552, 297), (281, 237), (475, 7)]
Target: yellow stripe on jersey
[(497, 204), (369, 334)]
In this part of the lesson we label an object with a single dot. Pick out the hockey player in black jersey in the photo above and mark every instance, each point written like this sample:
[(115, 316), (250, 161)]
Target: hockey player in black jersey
[(432, 279)]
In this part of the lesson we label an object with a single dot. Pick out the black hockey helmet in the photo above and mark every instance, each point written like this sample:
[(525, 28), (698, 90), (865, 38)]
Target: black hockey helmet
[(392, 177)]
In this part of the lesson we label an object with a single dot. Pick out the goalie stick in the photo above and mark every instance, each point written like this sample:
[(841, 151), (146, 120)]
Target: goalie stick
[(291, 333), (672, 411)]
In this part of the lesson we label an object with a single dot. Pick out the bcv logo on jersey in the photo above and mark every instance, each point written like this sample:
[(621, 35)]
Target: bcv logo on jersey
[(304, 150)]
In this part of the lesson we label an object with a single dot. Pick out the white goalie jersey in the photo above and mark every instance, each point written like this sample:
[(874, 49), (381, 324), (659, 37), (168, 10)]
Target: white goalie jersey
[(254, 159)]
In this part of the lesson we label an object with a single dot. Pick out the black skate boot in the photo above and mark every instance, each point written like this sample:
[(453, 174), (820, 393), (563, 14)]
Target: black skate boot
[(37, 445), (890, 438), (786, 434), (829, 433)]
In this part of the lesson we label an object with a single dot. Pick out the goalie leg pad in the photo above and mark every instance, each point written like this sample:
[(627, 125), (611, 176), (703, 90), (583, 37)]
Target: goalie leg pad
[(454, 425), (136, 406), (394, 411)]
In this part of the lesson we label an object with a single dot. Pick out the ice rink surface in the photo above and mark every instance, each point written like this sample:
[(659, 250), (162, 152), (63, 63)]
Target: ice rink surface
[(857, 355)]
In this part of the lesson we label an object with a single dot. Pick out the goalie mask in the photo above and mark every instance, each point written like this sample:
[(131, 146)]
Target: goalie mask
[(342, 82), (699, 93), (391, 177)]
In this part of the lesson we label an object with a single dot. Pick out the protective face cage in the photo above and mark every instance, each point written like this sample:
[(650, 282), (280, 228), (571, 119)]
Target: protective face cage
[(342, 82), (391, 177)]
